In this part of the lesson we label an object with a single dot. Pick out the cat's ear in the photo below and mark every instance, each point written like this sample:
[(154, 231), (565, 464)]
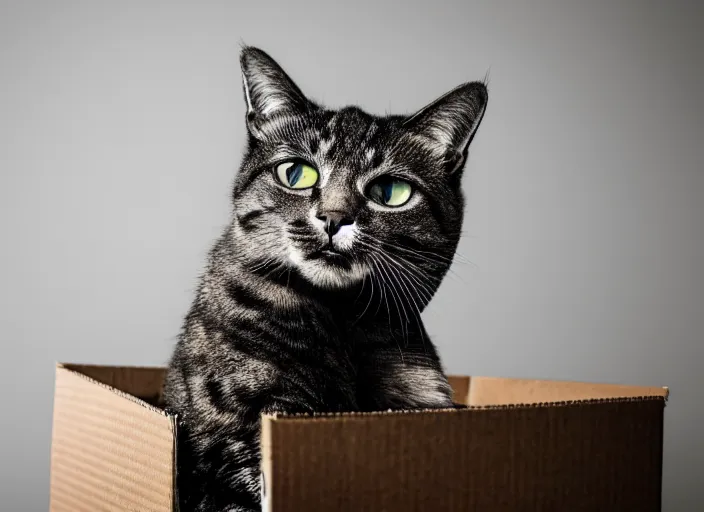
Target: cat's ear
[(268, 91), (449, 123)]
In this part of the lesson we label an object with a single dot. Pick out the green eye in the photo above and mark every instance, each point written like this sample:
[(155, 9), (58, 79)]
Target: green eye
[(296, 175), (389, 191)]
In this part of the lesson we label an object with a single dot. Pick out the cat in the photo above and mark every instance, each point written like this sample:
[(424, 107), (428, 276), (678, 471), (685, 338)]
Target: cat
[(344, 224)]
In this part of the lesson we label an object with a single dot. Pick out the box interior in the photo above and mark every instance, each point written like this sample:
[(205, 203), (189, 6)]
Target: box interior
[(146, 383)]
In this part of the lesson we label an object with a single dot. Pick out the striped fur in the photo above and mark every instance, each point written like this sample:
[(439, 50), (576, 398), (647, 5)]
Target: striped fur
[(276, 327)]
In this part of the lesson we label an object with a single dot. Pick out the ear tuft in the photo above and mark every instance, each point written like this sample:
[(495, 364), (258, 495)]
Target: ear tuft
[(268, 90), (450, 122)]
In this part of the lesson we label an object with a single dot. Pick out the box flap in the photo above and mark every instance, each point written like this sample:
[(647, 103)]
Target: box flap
[(486, 391), (460, 388), (142, 382), (110, 451), (604, 456)]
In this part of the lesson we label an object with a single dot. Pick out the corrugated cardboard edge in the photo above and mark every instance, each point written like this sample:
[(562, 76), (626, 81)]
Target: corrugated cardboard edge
[(499, 390), (470, 408), (502, 391), (67, 367), (463, 388), (173, 419), (266, 463), (145, 382)]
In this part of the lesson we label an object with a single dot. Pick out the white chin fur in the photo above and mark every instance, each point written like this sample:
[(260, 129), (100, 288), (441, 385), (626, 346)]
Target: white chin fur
[(327, 276)]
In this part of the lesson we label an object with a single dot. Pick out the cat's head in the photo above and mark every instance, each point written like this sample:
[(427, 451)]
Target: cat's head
[(341, 195)]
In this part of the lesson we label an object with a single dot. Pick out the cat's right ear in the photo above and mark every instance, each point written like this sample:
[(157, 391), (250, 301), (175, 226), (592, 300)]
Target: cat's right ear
[(268, 91)]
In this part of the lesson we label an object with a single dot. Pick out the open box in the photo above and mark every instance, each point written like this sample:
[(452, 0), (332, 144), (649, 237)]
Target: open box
[(521, 445)]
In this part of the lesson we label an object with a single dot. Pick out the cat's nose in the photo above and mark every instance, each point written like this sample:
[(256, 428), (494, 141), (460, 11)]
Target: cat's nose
[(334, 220)]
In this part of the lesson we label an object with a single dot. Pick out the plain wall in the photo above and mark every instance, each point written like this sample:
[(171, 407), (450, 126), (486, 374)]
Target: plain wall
[(122, 125)]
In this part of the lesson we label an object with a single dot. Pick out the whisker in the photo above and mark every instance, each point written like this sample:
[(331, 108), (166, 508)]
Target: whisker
[(371, 296), (388, 310), (383, 294), (436, 257), (421, 257), (426, 286), (397, 293), (392, 289), (262, 265), (276, 267), (399, 274), (401, 285), (439, 261), (427, 291)]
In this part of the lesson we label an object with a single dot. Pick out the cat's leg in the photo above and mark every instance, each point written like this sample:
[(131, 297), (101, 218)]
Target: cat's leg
[(219, 428), (224, 460), (393, 376), (220, 472)]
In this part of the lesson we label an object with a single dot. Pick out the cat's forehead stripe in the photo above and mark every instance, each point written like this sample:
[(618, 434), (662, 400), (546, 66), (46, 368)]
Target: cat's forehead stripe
[(357, 141), (324, 146), (325, 172), (371, 132)]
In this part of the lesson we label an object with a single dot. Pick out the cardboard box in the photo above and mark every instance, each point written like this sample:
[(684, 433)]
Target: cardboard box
[(521, 445)]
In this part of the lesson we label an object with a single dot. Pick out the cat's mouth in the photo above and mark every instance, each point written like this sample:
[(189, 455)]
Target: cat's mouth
[(331, 255)]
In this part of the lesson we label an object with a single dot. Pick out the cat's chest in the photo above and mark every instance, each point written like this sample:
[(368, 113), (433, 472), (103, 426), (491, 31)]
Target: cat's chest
[(360, 336), (322, 377)]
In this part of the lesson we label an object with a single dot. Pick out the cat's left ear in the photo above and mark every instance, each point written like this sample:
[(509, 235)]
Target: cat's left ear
[(449, 123), (268, 90)]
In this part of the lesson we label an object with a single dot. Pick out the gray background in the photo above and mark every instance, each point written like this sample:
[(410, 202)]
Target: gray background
[(121, 126)]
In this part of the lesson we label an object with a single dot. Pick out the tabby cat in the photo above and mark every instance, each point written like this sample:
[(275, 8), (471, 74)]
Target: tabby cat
[(343, 226)]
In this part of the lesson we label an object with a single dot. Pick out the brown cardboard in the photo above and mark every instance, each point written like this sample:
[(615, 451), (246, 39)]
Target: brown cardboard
[(110, 451), (482, 391), (521, 445)]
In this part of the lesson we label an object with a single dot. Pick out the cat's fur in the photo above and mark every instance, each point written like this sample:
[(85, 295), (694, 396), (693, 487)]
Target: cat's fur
[(277, 327)]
